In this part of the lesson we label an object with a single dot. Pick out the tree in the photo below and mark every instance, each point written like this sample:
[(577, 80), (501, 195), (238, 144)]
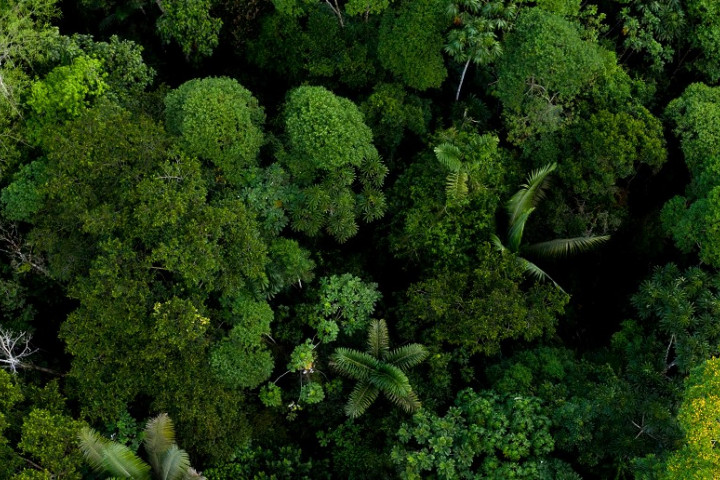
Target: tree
[(692, 220), (167, 461), (519, 208), (379, 369), (484, 435), (410, 43), (328, 146), (189, 23), (217, 119), (546, 64)]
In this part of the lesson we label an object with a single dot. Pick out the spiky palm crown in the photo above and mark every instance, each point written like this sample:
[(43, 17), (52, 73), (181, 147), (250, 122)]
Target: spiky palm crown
[(519, 209), (167, 460), (379, 369)]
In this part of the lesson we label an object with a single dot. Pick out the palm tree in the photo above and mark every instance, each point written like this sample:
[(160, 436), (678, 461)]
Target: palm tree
[(520, 206), (379, 369), (167, 460)]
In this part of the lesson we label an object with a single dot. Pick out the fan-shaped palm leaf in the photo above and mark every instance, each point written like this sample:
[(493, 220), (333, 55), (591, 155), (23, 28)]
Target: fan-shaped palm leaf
[(111, 457), (159, 437), (121, 462), (449, 156), (390, 380), (530, 193), (378, 339), (561, 247), (354, 364), (175, 463), (362, 396), (407, 357)]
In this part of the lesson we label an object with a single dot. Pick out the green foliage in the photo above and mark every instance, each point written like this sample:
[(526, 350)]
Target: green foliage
[(271, 395), (188, 22), (67, 90), (166, 459), (390, 112), (303, 357), (23, 198), (436, 228), (257, 463), (348, 300), (546, 65), (329, 146), (691, 220), (480, 308), (493, 436), (49, 439), (698, 415), (379, 370), (411, 41), (219, 120)]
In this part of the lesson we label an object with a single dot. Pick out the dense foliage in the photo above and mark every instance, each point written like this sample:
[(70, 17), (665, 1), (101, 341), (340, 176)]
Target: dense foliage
[(309, 239)]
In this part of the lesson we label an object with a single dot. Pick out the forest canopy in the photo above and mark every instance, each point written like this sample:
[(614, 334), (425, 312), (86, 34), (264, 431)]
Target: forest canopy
[(305, 239)]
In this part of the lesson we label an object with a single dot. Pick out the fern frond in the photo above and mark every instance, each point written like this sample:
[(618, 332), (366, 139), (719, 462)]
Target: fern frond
[(449, 156), (456, 185), (362, 396), (391, 380), (175, 463), (159, 437), (378, 339), (530, 193), (517, 229), (407, 357), (562, 247), (121, 462), (354, 364)]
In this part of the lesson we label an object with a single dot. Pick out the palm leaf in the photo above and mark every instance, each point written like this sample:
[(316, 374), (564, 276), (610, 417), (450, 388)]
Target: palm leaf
[(159, 437), (390, 380), (92, 446), (497, 243), (192, 474), (530, 193), (354, 364), (517, 229), (407, 357), (537, 272), (362, 396), (410, 402), (121, 462), (378, 340), (562, 247), (449, 156), (175, 462)]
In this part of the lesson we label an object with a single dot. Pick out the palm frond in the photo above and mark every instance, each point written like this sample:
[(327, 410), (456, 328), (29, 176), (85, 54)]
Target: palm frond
[(354, 364), (192, 474), (449, 156), (497, 243), (537, 272), (456, 185), (121, 462), (530, 193), (517, 229), (159, 437), (378, 339), (391, 380), (362, 396), (175, 463), (92, 446), (562, 247), (410, 402), (407, 357)]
